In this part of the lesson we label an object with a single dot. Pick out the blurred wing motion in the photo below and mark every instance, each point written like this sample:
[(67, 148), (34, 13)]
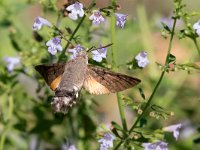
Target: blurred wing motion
[(102, 81), (51, 73)]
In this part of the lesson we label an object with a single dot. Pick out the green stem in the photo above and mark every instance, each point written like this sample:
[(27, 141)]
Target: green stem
[(71, 37), (121, 111), (157, 85), (159, 81), (7, 126), (75, 31), (197, 46), (113, 50), (118, 145)]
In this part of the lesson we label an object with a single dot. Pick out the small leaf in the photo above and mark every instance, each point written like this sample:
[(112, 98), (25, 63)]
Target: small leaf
[(142, 93), (171, 58), (165, 27), (116, 126), (143, 122)]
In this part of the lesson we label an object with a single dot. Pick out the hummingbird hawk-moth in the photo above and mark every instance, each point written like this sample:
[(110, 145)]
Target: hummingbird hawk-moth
[(67, 80)]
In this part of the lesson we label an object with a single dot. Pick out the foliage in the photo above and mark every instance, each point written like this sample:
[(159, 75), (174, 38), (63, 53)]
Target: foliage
[(115, 42)]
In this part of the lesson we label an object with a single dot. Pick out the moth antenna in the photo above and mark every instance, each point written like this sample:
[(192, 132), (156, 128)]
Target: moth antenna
[(94, 48)]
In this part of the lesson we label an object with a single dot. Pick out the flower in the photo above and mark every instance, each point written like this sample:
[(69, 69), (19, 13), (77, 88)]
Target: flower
[(99, 54), (173, 128), (75, 10), (196, 27), (54, 45), (121, 19), (142, 59), (159, 145), (107, 141), (78, 48), (39, 22), (11, 62), (96, 17)]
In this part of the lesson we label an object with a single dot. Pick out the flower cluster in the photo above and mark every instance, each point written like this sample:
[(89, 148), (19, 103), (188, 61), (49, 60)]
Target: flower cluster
[(107, 141), (76, 10)]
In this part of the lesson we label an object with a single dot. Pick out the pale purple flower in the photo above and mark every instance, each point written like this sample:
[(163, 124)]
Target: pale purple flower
[(107, 141), (76, 10), (39, 22), (12, 62), (173, 128), (120, 19), (142, 59), (159, 145), (99, 54), (196, 27), (54, 45), (76, 50), (96, 17)]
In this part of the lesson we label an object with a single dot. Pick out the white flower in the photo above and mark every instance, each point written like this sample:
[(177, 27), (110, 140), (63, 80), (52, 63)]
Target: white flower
[(173, 128), (11, 62), (142, 59), (78, 48), (96, 17), (196, 27), (159, 145), (75, 10), (107, 141), (54, 45), (99, 54), (39, 22)]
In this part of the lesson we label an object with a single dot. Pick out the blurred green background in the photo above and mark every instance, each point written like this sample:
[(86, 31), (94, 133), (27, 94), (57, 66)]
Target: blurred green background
[(26, 118)]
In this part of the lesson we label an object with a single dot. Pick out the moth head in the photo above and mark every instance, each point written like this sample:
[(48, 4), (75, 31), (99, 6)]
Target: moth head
[(64, 100), (62, 104)]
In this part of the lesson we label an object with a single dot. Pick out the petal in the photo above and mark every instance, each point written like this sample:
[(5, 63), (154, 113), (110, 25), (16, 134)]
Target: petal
[(59, 47), (70, 7), (44, 21), (36, 26), (52, 51), (49, 43), (73, 16), (81, 13), (196, 25), (198, 31), (91, 17), (97, 58)]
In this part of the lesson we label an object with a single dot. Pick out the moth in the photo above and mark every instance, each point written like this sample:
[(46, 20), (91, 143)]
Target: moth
[(67, 80)]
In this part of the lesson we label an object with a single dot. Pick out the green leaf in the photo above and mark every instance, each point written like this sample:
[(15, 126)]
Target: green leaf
[(171, 58), (142, 93), (165, 27)]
